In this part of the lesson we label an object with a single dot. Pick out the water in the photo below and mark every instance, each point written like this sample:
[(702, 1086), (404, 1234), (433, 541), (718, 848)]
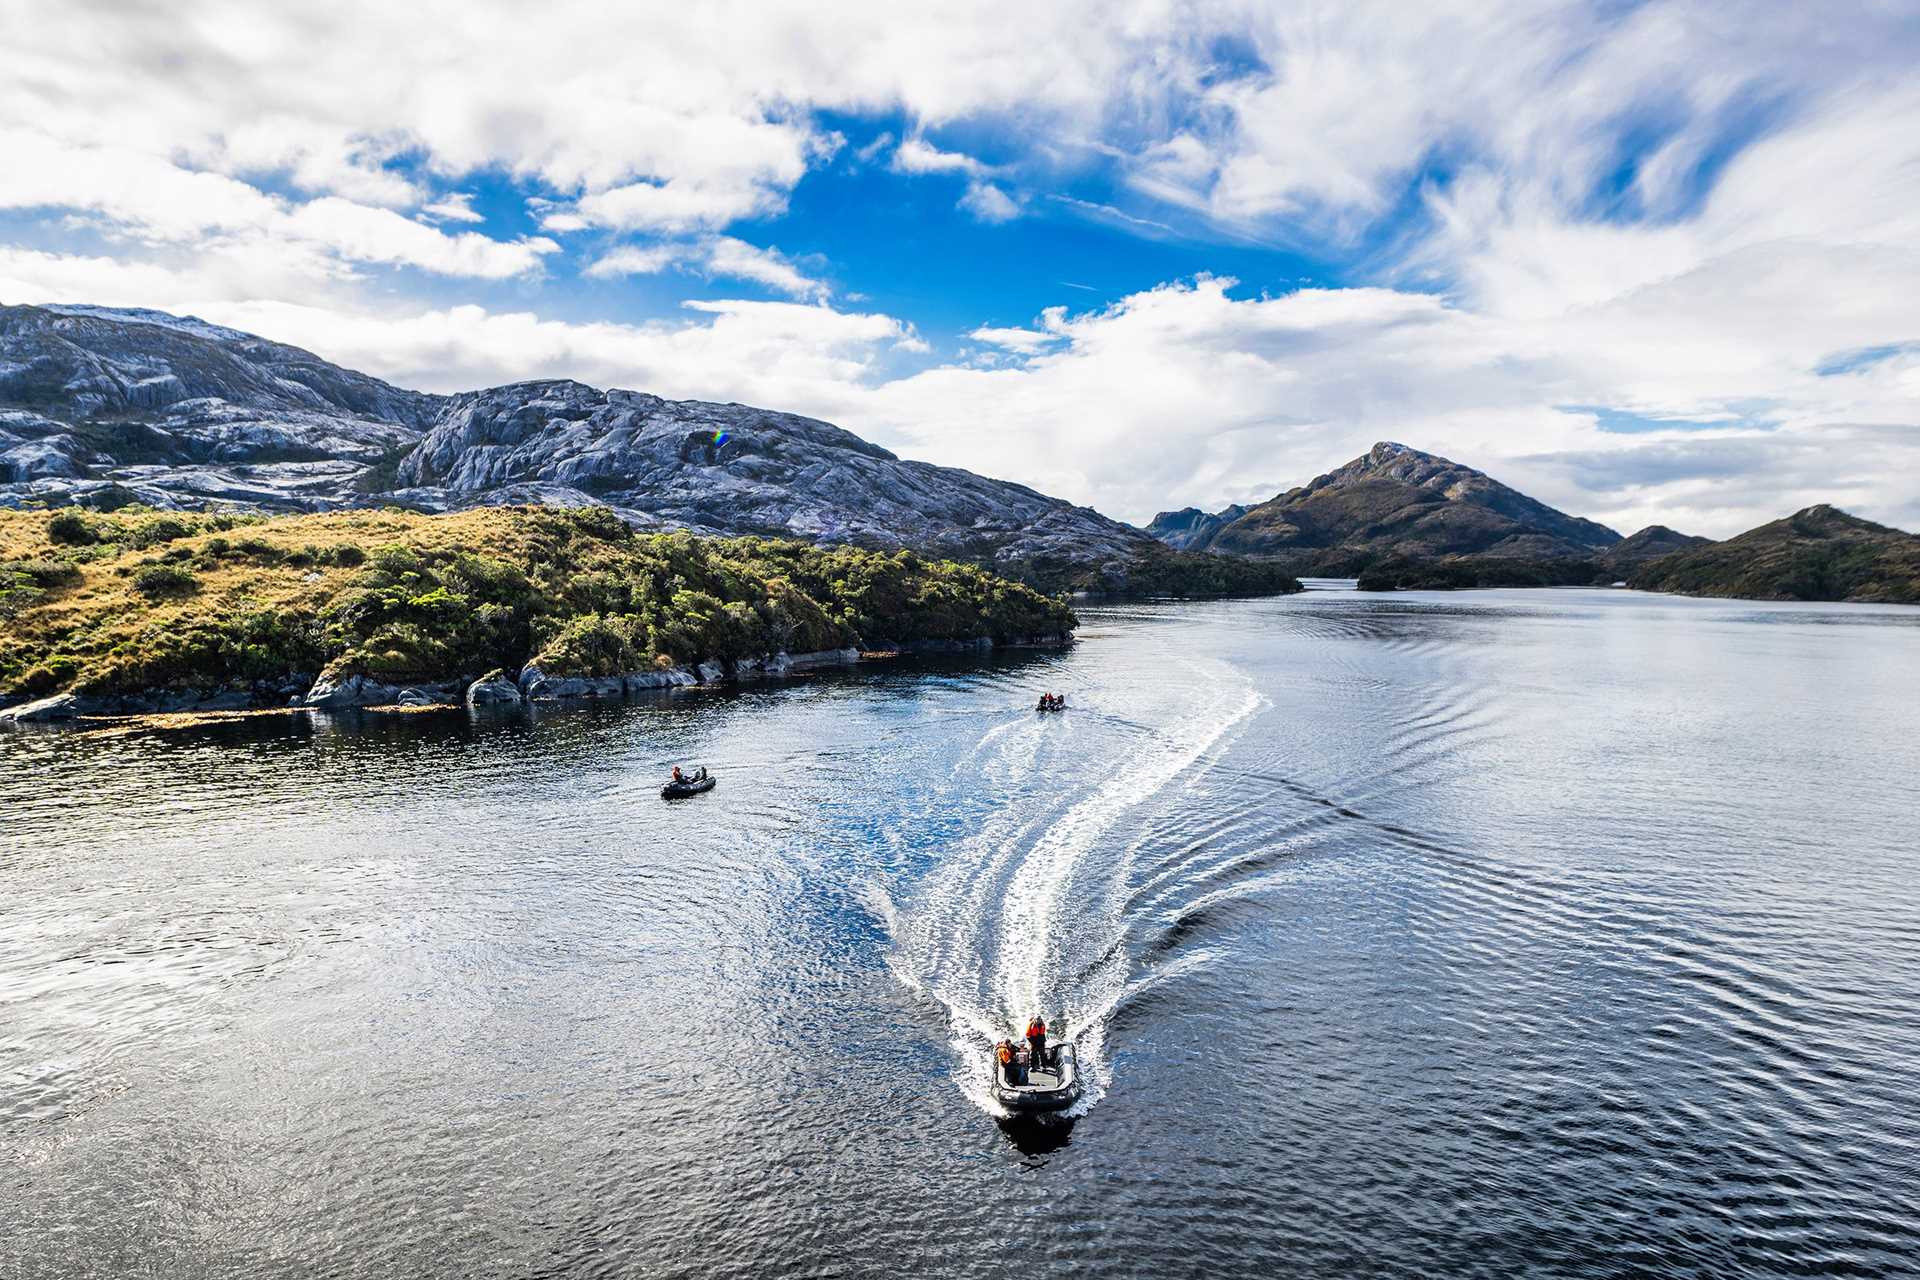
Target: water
[(1544, 932)]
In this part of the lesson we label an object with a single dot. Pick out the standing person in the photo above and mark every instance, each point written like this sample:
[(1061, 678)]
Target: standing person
[(1037, 1040), (676, 774)]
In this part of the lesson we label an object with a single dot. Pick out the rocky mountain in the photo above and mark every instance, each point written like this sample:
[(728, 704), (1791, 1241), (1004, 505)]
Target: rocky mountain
[(1190, 528), (1821, 553), (1400, 502), (103, 407), (116, 406), (1650, 543)]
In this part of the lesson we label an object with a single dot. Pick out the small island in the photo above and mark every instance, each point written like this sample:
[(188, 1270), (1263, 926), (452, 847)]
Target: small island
[(142, 611)]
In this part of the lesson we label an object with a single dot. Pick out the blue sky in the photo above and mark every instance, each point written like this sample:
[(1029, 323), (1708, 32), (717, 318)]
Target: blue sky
[(1139, 256)]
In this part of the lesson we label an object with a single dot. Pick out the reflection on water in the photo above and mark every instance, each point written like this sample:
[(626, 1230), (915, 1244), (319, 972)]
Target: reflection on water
[(1550, 932)]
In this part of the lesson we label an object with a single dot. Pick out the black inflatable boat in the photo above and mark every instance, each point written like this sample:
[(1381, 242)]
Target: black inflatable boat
[(1052, 1087), (687, 787)]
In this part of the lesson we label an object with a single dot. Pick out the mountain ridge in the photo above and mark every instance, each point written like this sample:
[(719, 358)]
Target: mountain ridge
[(1398, 501), (1817, 553), (102, 407)]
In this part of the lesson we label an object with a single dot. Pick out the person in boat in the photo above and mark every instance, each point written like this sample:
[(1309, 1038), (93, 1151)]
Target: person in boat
[(1003, 1054), (1037, 1041), (677, 776)]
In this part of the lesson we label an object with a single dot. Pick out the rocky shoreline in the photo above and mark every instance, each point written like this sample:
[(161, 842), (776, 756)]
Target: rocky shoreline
[(500, 688)]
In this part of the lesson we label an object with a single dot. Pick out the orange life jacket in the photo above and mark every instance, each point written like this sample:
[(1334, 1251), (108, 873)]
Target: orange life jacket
[(1036, 1029), (1006, 1053)]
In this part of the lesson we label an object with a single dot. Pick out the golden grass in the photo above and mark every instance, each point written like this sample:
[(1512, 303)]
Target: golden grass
[(106, 605)]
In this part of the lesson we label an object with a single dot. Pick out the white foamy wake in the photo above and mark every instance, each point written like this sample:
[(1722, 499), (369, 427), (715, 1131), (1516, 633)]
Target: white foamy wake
[(1019, 917)]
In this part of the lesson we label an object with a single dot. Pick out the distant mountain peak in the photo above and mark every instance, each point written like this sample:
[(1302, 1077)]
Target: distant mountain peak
[(1819, 553), (1401, 501)]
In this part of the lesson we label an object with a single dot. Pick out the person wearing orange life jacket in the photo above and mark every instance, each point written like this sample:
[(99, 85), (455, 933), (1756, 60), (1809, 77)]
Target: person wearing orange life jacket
[(676, 774), (1003, 1053), (1037, 1040)]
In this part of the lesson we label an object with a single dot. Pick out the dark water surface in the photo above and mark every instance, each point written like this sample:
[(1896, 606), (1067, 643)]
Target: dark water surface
[(1543, 932)]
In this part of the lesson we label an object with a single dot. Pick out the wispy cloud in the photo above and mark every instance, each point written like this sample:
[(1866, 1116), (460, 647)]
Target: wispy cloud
[(715, 256)]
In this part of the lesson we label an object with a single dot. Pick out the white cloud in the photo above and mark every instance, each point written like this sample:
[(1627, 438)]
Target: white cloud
[(989, 203), (1024, 341), (1674, 209), (455, 206), (635, 260), (717, 257), (917, 155), (159, 202)]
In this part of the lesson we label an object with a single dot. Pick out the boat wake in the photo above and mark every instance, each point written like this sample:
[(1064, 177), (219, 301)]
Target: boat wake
[(1031, 912)]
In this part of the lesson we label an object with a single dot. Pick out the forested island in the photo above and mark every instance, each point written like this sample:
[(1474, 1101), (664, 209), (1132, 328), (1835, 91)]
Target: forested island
[(142, 610)]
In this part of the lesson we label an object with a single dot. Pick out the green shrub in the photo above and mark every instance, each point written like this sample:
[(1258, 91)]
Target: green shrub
[(592, 646), (258, 549), (44, 573), (162, 580), (73, 528), (348, 556), (159, 529)]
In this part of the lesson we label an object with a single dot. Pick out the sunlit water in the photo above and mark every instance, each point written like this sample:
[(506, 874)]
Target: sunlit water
[(1500, 933)]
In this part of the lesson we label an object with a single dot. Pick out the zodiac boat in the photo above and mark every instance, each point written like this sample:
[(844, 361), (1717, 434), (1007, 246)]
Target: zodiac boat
[(687, 787), (1054, 1086)]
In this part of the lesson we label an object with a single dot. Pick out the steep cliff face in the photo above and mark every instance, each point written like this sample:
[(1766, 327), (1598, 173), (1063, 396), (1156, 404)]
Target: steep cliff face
[(1397, 501), (1190, 528)]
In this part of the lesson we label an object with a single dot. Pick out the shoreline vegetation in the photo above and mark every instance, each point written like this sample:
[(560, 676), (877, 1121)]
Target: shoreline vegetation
[(143, 611), (1819, 554)]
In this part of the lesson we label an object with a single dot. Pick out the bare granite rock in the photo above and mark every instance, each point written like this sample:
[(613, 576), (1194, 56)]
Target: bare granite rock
[(63, 706)]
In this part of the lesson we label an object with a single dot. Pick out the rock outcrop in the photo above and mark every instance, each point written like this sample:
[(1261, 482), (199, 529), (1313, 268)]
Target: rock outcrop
[(62, 706), (493, 690), (1190, 528), (351, 691)]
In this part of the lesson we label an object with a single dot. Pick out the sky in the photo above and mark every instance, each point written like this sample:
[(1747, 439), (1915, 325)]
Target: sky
[(1648, 262)]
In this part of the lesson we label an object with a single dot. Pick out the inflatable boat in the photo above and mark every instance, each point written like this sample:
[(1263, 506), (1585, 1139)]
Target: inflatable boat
[(1052, 1087), (687, 787)]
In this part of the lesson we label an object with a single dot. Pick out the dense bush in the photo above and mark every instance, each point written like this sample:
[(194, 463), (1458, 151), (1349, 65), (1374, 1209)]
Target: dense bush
[(157, 529), (72, 528), (158, 581)]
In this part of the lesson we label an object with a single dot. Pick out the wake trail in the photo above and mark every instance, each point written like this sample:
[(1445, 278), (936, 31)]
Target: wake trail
[(1021, 915)]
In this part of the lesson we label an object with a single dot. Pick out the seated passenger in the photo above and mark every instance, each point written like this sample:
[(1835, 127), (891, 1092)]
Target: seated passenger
[(1003, 1054), (676, 774)]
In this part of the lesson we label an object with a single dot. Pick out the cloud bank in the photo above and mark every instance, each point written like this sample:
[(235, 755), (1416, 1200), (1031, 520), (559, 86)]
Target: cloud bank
[(1540, 221)]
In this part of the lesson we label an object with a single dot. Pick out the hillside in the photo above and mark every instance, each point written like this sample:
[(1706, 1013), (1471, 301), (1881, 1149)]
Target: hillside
[(1400, 502), (165, 609), (1650, 543), (103, 407), (1820, 553)]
